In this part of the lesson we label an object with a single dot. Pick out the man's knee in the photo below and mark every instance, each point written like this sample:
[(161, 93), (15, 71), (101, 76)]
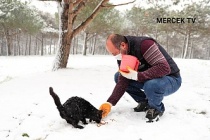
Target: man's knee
[(116, 77), (153, 86)]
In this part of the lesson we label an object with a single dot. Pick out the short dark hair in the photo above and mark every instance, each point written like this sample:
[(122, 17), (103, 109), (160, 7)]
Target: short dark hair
[(116, 40)]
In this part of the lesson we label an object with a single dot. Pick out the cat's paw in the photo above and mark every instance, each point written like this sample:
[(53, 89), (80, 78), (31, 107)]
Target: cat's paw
[(79, 126), (85, 123)]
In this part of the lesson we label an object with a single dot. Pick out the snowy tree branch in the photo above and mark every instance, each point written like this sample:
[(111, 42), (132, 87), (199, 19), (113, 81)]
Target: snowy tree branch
[(111, 5), (77, 2), (51, 0), (84, 24), (79, 7)]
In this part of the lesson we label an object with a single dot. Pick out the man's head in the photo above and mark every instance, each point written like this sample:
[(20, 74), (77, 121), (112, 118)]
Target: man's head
[(116, 44)]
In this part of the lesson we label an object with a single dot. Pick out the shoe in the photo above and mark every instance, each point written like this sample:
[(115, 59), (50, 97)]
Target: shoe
[(153, 114), (142, 107)]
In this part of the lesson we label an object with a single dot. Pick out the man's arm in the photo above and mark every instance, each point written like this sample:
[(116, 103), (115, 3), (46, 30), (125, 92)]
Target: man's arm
[(119, 90), (154, 57)]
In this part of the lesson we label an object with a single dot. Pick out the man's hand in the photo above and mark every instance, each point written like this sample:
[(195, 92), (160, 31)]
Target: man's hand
[(132, 74), (106, 108)]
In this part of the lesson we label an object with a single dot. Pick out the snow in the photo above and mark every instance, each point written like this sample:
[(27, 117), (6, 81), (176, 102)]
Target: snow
[(2, 13), (27, 108), (45, 6)]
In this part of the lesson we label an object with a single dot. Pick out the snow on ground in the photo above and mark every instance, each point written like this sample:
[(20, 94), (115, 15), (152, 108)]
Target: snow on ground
[(29, 113)]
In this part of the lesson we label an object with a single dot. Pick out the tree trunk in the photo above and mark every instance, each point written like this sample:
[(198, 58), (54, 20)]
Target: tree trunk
[(42, 45), (191, 50), (182, 54), (173, 52), (8, 41), (18, 44), (1, 47), (36, 50), (70, 10), (55, 46), (167, 41), (73, 46), (64, 39), (186, 45), (13, 48), (94, 45), (84, 52), (77, 45), (25, 51), (90, 45), (50, 51), (29, 45), (156, 33), (209, 54)]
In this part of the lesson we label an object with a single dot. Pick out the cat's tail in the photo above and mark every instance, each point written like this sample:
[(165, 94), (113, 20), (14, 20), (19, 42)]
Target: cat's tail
[(57, 102)]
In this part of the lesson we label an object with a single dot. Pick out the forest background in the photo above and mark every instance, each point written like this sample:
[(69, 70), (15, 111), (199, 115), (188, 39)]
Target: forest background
[(25, 30)]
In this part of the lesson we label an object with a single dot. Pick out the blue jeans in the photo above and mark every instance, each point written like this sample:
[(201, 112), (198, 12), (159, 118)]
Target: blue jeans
[(153, 90)]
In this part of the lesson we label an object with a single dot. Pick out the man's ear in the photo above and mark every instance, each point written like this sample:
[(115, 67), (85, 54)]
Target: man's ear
[(123, 45)]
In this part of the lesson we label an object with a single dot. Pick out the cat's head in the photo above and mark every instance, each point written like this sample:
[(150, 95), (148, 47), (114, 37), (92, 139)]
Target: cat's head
[(97, 116)]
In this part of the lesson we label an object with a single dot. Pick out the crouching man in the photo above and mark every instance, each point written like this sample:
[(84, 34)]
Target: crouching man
[(157, 74)]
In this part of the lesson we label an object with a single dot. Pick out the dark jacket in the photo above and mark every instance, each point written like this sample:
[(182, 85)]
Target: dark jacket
[(135, 50), (165, 65)]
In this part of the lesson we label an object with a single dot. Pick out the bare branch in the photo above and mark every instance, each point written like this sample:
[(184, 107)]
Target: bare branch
[(79, 8), (51, 0), (38, 38), (70, 16), (84, 24), (91, 37), (77, 2), (111, 5), (102, 4)]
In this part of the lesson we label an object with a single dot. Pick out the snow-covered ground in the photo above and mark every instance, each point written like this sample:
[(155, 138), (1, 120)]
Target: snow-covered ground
[(29, 113)]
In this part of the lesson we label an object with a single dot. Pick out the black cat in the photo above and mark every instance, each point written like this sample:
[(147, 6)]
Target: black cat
[(76, 109)]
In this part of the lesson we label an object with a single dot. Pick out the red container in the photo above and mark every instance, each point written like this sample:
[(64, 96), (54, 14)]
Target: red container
[(129, 60)]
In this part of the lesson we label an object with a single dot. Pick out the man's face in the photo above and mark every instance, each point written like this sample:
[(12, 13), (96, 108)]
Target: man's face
[(113, 50)]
